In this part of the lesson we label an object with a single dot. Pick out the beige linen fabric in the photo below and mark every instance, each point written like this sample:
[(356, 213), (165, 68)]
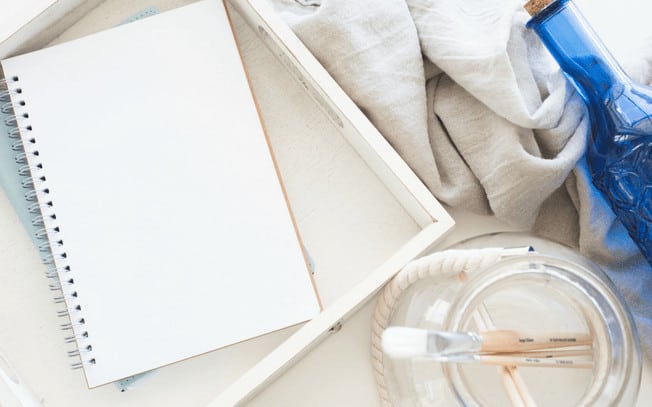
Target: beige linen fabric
[(478, 108)]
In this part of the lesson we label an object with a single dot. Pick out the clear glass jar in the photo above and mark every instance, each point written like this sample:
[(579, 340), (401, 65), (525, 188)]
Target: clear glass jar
[(552, 290)]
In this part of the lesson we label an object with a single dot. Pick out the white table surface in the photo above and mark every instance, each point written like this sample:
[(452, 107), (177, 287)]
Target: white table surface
[(348, 219)]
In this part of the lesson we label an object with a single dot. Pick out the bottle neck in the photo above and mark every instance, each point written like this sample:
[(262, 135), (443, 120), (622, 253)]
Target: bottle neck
[(578, 50)]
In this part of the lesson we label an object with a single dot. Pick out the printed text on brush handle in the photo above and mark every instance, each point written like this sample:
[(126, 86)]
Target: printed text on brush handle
[(505, 340)]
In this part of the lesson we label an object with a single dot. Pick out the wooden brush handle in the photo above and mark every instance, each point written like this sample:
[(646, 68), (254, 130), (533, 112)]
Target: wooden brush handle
[(513, 341), (551, 353), (570, 363)]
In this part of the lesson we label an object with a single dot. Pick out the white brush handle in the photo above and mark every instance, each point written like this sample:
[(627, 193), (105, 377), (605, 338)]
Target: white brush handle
[(13, 391)]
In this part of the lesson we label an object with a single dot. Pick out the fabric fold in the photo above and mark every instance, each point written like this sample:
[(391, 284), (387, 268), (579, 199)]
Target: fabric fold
[(477, 107)]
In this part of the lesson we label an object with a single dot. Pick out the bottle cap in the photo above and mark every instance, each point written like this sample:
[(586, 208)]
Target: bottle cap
[(535, 6)]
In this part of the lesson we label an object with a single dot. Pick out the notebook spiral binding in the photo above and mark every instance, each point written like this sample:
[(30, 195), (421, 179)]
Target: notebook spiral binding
[(52, 249)]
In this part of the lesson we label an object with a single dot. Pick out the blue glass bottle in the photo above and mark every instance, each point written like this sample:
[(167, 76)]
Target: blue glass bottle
[(620, 149)]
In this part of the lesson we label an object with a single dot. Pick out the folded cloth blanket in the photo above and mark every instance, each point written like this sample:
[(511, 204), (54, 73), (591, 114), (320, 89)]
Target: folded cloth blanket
[(477, 107)]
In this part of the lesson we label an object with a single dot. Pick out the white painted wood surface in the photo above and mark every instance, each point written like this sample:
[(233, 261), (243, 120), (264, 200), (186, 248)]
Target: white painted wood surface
[(30, 24)]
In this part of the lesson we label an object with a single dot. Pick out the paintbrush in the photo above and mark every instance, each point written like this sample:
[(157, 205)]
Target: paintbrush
[(502, 347)]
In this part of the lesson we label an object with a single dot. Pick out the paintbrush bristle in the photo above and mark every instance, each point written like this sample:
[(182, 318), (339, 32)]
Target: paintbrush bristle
[(402, 343)]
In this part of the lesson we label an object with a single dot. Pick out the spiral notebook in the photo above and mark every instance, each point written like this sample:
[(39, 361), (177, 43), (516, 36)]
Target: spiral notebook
[(149, 173)]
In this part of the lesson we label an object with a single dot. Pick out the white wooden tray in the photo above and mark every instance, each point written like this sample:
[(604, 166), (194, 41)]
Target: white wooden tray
[(361, 211)]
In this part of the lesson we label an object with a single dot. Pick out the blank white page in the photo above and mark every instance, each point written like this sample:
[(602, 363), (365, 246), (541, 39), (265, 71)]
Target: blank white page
[(173, 219)]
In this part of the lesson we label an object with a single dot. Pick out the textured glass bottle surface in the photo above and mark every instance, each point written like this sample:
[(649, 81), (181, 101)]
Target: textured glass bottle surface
[(627, 174), (620, 151)]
